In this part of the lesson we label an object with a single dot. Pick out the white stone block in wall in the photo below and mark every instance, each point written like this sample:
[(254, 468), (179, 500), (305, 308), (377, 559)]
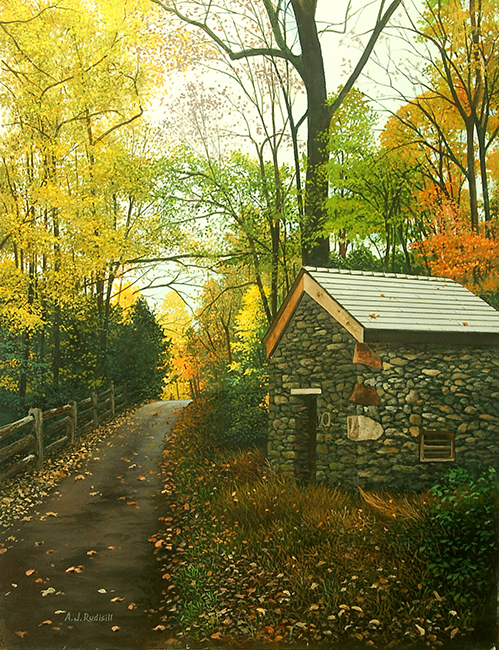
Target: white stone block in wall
[(361, 427)]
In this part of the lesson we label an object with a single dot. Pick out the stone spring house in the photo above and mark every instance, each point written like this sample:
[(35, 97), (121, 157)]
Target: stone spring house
[(382, 380)]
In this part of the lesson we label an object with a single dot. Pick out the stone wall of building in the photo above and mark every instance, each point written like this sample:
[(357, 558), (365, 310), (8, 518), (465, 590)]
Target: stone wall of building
[(374, 439)]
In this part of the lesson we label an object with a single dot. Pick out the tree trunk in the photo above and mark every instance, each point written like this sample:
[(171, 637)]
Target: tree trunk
[(482, 153), (315, 244), (470, 157), (56, 355)]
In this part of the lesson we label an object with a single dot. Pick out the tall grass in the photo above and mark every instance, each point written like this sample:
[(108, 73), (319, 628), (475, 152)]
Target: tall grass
[(311, 562)]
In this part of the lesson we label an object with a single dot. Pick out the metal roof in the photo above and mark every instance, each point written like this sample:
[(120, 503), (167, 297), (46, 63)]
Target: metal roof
[(398, 302)]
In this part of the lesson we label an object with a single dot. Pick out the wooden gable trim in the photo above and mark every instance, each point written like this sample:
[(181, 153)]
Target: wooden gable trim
[(338, 312), (306, 284), (283, 317)]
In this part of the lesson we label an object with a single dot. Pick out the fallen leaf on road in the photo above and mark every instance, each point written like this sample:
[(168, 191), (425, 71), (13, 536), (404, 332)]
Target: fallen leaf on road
[(111, 548), (21, 634), (51, 514), (48, 591), (131, 503), (132, 606), (3, 550), (115, 628), (132, 466), (166, 576), (29, 572), (47, 622), (80, 477), (74, 569), (141, 478), (102, 591), (56, 628), (117, 599), (159, 628), (60, 611), (39, 580), (91, 552)]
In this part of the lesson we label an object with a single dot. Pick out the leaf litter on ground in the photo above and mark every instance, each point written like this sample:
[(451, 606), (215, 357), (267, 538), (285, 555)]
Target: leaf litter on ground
[(23, 492)]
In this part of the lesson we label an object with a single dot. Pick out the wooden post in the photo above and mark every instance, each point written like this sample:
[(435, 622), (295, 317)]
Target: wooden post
[(74, 421), (95, 413), (125, 396), (111, 399), (38, 426)]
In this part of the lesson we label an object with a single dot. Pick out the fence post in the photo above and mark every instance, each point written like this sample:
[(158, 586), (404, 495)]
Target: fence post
[(38, 422), (95, 413), (73, 423), (111, 399), (125, 395)]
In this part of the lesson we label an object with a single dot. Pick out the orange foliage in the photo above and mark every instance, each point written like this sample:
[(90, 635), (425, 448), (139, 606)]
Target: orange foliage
[(454, 251)]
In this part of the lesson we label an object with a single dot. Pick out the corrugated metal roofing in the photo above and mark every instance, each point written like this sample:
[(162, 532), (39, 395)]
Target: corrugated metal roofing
[(406, 302)]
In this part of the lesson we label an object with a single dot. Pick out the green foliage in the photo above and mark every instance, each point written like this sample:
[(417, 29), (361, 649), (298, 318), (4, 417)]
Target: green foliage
[(237, 417), (134, 351), (140, 354), (246, 416), (242, 408), (461, 546), (359, 259), (11, 407)]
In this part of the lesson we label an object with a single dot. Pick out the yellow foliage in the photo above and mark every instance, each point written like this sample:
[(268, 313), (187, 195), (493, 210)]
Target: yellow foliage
[(251, 313)]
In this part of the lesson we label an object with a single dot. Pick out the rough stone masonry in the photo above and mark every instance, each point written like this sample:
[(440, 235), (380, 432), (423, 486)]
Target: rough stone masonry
[(371, 413)]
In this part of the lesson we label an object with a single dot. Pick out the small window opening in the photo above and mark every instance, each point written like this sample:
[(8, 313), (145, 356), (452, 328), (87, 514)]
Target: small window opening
[(436, 446)]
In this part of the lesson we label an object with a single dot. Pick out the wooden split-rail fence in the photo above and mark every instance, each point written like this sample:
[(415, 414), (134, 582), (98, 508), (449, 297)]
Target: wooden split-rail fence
[(28, 441)]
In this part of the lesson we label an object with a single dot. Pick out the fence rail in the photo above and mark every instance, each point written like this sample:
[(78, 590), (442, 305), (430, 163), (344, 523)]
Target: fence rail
[(31, 439)]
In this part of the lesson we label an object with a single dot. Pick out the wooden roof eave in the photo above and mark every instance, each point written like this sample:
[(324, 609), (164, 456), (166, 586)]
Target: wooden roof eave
[(431, 337), (304, 283)]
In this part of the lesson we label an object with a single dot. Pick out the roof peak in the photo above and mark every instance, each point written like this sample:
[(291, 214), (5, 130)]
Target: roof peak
[(400, 276)]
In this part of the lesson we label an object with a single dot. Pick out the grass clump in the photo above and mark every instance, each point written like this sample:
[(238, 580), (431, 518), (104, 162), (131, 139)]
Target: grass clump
[(268, 559)]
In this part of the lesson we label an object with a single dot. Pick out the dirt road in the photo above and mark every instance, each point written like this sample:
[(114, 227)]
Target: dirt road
[(81, 574)]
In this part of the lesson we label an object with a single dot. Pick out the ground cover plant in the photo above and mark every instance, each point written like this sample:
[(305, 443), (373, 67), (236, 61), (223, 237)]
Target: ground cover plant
[(264, 559)]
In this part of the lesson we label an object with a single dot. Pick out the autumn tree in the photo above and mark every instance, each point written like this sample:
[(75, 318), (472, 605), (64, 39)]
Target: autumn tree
[(76, 193), (234, 200), (177, 322), (289, 33), (456, 73)]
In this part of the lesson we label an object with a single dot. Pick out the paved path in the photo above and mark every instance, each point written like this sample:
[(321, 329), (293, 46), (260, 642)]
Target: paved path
[(101, 534)]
